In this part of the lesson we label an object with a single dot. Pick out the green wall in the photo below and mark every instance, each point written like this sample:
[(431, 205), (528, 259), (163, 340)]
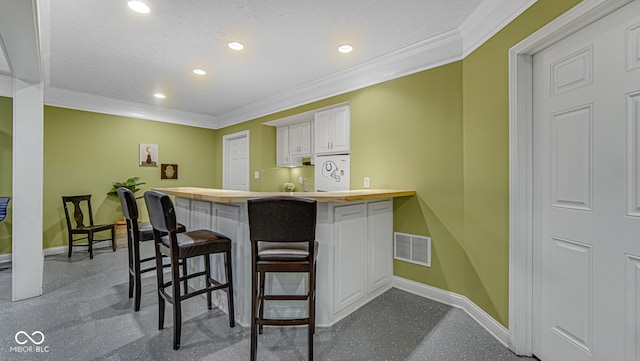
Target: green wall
[(445, 133), (85, 152), (486, 158), (6, 167)]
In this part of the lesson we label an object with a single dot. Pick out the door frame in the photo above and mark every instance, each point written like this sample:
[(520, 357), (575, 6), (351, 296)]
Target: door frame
[(225, 152), (521, 175)]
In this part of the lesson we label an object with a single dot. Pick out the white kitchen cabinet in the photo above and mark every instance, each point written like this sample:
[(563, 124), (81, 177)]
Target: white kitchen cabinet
[(300, 139), (332, 130), (363, 253), (349, 255), (283, 157), (379, 241)]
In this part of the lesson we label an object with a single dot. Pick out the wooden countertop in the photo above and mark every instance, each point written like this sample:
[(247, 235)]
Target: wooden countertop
[(229, 196)]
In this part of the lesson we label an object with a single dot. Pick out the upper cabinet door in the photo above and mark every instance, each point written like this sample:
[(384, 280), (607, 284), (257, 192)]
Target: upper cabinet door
[(322, 131), (300, 139), (341, 130), (332, 130), (282, 146)]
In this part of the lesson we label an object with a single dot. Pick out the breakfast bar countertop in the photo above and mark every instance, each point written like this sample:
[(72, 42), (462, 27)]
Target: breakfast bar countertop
[(232, 196)]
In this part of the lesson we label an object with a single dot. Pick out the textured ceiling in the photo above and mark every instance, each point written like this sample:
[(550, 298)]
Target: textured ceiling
[(103, 48)]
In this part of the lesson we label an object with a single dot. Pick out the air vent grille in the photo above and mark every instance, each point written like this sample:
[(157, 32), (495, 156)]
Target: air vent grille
[(412, 248)]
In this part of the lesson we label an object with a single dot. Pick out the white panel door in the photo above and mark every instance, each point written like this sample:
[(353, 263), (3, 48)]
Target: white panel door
[(586, 193), (236, 158)]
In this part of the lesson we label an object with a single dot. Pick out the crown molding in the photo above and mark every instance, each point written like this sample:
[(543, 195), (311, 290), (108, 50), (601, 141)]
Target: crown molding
[(427, 54), (94, 103), (485, 21)]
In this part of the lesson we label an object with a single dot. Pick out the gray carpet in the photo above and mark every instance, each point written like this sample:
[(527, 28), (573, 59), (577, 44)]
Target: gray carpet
[(85, 314)]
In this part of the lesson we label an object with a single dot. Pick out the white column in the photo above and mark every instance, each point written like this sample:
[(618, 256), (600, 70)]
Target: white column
[(28, 134), (20, 34)]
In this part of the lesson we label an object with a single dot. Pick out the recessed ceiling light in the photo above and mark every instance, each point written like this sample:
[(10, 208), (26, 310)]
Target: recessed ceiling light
[(199, 72), (139, 6), (236, 45), (345, 48), (159, 95)]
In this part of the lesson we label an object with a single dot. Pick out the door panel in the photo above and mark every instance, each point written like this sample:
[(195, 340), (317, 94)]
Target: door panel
[(633, 154), (587, 193), (571, 158), (571, 315)]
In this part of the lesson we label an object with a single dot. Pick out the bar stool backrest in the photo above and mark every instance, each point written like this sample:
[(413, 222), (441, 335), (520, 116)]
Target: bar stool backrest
[(282, 219), (162, 215)]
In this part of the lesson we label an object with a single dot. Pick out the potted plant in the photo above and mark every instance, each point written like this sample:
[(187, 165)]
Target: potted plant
[(131, 184), (121, 225)]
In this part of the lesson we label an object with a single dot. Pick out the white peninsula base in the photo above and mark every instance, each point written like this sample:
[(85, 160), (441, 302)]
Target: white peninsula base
[(355, 256)]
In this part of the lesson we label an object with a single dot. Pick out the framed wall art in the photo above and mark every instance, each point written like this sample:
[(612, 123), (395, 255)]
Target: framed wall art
[(148, 155), (168, 171)]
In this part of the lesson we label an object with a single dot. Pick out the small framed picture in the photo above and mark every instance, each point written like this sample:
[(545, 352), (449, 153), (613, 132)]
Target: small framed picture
[(148, 155), (169, 171)]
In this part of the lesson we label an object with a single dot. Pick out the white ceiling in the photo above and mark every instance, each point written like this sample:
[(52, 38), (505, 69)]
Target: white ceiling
[(102, 52)]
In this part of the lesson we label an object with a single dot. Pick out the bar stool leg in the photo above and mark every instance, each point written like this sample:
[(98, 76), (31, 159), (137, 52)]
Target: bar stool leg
[(177, 311), (160, 279), (207, 278), (130, 252), (184, 273), (312, 310), (232, 314), (254, 296), (262, 276)]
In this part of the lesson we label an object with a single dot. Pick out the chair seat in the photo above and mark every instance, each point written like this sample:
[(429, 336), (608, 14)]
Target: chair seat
[(285, 251), (199, 242), (146, 231)]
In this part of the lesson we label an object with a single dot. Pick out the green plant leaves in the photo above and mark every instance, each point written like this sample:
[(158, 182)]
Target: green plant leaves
[(131, 184)]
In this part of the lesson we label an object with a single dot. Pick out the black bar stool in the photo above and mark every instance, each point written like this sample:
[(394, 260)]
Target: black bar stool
[(178, 247), (136, 233), (282, 231)]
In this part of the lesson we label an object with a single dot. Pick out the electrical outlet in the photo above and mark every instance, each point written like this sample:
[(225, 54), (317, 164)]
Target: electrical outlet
[(300, 180), (256, 175), (367, 182)]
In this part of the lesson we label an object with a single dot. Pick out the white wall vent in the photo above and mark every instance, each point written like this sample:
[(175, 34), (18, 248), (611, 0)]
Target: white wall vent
[(412, 248)]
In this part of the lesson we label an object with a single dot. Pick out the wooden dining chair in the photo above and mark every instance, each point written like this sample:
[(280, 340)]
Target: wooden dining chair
[(79, 227)]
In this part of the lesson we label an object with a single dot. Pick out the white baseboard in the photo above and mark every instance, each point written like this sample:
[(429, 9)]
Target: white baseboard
[(496, 329), (6, 257)]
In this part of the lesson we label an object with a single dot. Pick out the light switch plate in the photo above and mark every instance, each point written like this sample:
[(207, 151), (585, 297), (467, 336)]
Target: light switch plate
[(367, 182), (256, 175)]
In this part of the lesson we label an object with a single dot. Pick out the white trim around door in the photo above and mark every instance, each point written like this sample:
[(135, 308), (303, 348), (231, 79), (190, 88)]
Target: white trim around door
[(521, 161), (225, 154)]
